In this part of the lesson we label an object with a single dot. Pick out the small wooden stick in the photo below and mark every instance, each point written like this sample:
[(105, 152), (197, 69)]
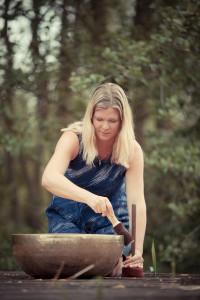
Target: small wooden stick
[(57, 275), (76, 275), (136, 271), (133, 228)]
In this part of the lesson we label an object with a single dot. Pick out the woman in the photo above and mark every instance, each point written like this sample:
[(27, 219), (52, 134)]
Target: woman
[(96, 171)]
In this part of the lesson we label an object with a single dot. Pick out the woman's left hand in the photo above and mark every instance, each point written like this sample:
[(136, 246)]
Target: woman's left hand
[(134, 261)]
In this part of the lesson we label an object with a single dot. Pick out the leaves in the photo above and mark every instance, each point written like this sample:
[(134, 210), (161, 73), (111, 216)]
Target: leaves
[(50, 65)]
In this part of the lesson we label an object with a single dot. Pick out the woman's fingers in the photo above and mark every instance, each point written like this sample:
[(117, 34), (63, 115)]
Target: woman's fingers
[(134, 261), (109, 207), (103, 206), (134, 265)]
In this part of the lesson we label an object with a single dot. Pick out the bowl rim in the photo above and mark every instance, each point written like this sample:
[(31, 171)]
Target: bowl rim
[(113, 237)]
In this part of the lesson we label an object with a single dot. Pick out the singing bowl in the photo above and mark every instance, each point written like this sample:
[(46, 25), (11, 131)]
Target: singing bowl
[(42, 255)]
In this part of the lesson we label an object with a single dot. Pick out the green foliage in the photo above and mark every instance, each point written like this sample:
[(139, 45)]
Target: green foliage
[(46, 84), (173, 166)]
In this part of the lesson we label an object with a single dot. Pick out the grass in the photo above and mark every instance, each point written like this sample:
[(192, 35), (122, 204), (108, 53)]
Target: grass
[(153, 253)]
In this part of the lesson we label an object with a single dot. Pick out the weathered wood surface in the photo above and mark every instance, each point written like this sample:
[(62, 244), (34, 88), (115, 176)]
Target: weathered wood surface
[(18, 285)]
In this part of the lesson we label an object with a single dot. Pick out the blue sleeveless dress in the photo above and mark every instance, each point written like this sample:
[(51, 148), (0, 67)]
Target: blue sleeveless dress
[(102, 178)]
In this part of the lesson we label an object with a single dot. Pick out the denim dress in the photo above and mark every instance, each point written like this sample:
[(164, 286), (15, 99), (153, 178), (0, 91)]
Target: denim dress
[(103, 178)]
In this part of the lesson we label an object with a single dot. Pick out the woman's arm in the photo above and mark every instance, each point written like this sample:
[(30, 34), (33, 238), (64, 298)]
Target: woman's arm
[(54, 181), (135, 195)]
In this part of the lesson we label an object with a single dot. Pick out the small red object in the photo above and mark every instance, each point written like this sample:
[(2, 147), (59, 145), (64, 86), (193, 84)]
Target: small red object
[(132, 272)]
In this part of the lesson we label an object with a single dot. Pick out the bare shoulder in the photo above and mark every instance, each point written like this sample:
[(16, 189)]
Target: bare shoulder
[(138, 158), (69, 143), (68, 137), (137, 149)]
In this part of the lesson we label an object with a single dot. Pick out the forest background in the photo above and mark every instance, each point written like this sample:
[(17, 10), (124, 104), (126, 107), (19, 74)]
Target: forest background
[(53, 54)]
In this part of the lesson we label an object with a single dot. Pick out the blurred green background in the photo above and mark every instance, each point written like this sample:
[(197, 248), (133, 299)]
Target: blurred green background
[(52, 56)]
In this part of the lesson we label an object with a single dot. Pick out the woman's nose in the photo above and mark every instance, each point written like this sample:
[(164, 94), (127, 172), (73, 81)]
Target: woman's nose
[(106, 125)]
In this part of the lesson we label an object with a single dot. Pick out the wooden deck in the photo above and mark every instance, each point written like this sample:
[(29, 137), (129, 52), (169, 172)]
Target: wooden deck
[(18, 285)]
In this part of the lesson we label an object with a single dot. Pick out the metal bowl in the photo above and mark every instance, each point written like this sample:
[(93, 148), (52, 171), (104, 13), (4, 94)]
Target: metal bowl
[(43, 255)]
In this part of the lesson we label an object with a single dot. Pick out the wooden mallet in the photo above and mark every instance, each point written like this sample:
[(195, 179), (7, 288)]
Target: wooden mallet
[(120, 229)]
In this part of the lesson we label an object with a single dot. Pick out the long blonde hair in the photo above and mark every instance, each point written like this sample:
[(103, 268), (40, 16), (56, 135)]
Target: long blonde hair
[(105, 96)]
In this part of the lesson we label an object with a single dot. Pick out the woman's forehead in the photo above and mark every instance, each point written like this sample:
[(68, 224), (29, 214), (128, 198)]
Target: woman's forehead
[(111, 111)]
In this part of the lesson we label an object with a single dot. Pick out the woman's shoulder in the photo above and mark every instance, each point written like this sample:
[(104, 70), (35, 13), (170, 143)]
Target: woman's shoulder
[(137, 148), (68, 142), (71, 136), (137, 158)]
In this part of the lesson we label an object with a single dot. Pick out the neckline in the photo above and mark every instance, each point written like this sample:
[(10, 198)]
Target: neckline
[(101, 161)]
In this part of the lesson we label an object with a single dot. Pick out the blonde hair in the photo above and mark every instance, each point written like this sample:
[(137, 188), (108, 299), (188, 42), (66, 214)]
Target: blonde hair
[(105, 96)]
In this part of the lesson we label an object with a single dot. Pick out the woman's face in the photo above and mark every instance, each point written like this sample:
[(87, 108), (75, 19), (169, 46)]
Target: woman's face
[(107, 124)]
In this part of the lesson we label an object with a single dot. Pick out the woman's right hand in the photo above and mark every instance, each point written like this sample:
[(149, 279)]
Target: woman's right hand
[(101, 205)]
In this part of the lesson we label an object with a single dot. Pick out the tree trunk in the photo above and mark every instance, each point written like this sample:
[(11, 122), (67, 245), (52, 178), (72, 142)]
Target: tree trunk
[(141, 28), (99, 21), (8, 114), (33, 179), (143, 18), (66, 61)]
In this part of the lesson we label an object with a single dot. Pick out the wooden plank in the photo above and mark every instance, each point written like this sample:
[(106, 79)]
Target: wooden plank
[(18, 285)]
